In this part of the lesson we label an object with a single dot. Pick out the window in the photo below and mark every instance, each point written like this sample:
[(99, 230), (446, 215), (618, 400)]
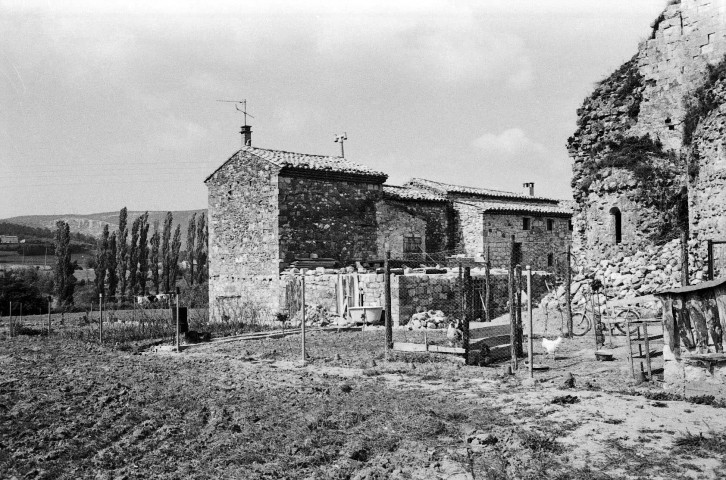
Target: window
[(616, 225), (569, 225), (550, 224), (526, 223), (550, 259), (412, 244)]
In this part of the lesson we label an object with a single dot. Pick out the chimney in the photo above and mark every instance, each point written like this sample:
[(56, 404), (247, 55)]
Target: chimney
[(530, 186), (246, 132)]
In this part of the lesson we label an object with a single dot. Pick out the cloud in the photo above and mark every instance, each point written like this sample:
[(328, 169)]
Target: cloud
[(509, 143)]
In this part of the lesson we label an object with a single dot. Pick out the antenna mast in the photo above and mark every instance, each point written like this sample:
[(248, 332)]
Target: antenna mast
[(341, 139), (243, 109)]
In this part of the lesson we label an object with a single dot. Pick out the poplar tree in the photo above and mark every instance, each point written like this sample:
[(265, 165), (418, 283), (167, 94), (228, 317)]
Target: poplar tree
[(134, 256), (111, 265), (122, 254), (143, 254), (174, 257), (102, 262), (201, 250), (154, 259), (191, 235), (65, 282), (165, 253)]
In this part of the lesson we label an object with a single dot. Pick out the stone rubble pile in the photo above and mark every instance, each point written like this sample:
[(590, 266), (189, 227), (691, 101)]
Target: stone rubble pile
[(431, 319), (626, 276)]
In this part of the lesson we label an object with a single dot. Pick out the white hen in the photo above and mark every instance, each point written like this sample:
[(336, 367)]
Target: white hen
[(551, 345)]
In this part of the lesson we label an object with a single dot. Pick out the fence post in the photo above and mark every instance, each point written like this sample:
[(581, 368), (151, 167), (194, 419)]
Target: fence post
[(302, 323), (387, 293), (468, 311), (100, 318), (487, 301), (512, 312), (10, 320), (685, 280), (568, 290), (520, 333), (530, 343), (49, 304), (710, 260), (177, 317)]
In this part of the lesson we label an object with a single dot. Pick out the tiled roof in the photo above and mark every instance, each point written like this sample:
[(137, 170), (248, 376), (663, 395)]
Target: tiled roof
[(445, 188), (516, 207), (406, 193), (320, 163)]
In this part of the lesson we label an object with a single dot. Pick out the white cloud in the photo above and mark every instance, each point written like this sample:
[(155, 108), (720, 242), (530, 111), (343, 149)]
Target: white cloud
[(510, 143)]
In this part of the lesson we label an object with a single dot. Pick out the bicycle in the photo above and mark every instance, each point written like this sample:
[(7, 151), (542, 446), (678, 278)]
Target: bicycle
[(582, 323)]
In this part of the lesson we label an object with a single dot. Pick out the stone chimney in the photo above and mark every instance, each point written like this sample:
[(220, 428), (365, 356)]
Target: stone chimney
[(529, 186), (246, 132)]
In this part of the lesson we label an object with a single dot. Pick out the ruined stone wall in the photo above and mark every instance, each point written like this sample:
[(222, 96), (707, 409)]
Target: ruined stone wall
[(429, 220), (690, 35), (537, 243), (243, 248), (331, 218), (646, 96), (707, 188)]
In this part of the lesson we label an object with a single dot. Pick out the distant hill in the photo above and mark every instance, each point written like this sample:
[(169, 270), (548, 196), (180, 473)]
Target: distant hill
[(92, 224)]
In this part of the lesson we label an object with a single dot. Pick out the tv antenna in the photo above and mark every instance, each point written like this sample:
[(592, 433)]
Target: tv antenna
[(237, 104), (341, 138)]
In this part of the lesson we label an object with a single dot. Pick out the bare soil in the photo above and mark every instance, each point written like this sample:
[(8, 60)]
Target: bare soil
[(249, 409)]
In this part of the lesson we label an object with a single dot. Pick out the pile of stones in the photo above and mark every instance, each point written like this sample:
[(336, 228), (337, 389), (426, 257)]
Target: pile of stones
[(624, 276), (431, 319)]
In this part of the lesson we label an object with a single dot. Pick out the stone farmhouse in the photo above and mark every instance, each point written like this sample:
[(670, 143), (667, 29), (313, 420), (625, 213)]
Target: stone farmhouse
[(270, 208)]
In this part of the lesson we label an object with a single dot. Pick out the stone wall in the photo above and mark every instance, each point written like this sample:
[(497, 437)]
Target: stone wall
[(243, 248), (646, 96), (469, 228), (707, 186), (416, 292), (537, 243), (690, 35), (431, 221), (331, 218)]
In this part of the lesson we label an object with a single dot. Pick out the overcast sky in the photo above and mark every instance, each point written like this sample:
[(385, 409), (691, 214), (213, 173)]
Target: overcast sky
[(105, 106)]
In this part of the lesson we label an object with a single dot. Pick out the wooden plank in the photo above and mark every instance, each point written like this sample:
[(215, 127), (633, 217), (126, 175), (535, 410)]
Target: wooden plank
[(630, 302), (669, 323), (719, 294), (445, 349), (712, 321), (490, 331), (409, 347), (695, 307), (492, 341)]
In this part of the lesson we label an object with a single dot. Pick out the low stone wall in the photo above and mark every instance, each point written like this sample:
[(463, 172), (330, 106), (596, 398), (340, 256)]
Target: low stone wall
[(692, 379), (416, 292)]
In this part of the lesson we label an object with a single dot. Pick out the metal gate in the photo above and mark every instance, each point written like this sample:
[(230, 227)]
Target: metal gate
[(716, 259)]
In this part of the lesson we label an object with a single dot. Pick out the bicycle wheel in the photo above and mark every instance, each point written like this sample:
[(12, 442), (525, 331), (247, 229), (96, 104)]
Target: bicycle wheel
[(630, 315), (580, 324)]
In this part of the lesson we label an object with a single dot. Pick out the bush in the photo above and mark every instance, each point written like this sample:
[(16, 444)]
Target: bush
[(703, 101)]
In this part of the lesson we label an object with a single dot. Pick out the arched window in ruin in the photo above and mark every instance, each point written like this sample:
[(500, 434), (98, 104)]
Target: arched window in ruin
[(616, 225)]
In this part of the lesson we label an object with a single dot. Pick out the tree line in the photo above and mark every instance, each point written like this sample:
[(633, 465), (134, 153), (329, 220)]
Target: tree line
[(131, 262)]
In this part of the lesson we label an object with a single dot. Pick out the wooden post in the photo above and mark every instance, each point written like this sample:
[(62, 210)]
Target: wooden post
[(530, 343), (302, 323), (568, 290), (10, 320), (512, 311), (100, 319), (49, 304), (520, 334), (468, 311), (387, 294), (487, 294), (710, 259), (684, 260), (177, 319)]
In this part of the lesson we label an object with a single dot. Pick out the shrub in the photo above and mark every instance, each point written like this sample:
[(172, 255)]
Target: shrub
[(703, 100)]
